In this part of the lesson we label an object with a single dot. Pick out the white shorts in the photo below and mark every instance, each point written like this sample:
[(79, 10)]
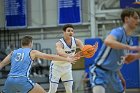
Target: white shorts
[(63, 72)]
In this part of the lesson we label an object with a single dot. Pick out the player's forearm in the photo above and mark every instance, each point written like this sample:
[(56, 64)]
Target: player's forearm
[(59, 58), (55, 57), (138, 56), (5, 62), (116, 45), (2, 64), (62, 53)]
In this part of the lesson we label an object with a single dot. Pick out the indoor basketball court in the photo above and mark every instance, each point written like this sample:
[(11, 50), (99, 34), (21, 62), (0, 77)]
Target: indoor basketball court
[(43, 20)]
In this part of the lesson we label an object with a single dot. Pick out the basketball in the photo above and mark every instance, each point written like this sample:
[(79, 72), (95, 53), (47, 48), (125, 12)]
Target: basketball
[(88, 51)]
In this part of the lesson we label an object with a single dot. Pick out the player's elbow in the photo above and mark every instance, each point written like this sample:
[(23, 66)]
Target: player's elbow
[(107, 42)]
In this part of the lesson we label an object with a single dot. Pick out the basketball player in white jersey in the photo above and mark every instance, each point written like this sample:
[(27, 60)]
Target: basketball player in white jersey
[(21, 61), (65, 47)]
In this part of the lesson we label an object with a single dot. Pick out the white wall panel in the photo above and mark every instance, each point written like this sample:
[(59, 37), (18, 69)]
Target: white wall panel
[(34, 12), (85, 11), (50, 12), (2, 18)]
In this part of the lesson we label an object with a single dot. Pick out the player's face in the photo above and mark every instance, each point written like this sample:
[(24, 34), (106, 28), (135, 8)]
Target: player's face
[(69, 32), (133, 21), (31, 44)]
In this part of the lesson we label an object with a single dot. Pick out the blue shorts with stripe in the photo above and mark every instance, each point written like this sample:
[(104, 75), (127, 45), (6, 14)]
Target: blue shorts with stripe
[(21, 84), (108, 79)]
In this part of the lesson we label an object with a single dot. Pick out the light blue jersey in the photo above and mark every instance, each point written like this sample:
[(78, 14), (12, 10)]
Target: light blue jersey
[(104, 70), (110, 58), (20, 62), (18, 78)]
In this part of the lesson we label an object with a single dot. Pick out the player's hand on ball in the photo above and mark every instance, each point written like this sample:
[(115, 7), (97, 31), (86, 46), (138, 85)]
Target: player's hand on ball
[(79, 54), (95, 47), (88, 50)]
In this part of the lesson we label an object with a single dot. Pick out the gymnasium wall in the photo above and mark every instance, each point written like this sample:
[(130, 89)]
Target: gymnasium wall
[(1, 13), (44, 13)]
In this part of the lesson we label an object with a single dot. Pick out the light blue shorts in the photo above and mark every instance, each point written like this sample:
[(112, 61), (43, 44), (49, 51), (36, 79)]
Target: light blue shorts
[(21, 84), (108, 79)]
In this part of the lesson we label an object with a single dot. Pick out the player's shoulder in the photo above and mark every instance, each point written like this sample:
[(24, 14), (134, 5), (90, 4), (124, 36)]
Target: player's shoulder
[(117, 29), (33, 52), (59, 43), (78, 40)]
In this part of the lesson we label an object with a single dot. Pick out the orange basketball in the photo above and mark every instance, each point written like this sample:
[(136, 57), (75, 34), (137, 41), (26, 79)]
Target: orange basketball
[(88, 51)]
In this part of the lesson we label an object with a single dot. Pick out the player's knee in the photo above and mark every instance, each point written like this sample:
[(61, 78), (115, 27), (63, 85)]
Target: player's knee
[(98, 89), (53, 88), (68, 84), (37, 89)]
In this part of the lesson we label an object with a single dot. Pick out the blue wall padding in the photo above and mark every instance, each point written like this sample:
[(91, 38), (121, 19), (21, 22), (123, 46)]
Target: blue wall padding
[(89, 61), (131, 71)]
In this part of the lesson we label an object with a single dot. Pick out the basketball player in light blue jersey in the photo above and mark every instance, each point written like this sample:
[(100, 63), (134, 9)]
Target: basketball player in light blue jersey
[(21, 61), (65, 47), (105, 72)]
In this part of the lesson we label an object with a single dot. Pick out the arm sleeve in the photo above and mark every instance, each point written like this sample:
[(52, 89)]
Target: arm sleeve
[(117, 34)]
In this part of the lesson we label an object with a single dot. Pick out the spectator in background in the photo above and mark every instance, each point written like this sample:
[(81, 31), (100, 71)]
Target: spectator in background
[(10, 48)]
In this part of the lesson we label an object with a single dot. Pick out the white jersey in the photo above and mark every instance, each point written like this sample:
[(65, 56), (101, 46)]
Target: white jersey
[(68, 49)]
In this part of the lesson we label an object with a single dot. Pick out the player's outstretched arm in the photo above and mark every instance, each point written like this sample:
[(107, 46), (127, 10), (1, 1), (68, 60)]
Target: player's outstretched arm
[(113, 43), (38, 54), (134, 48), (6, 61)]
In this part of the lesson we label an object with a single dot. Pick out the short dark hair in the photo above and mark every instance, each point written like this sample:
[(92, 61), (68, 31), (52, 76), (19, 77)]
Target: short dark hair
[(66, 26), (127, 13), (26, 40)]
